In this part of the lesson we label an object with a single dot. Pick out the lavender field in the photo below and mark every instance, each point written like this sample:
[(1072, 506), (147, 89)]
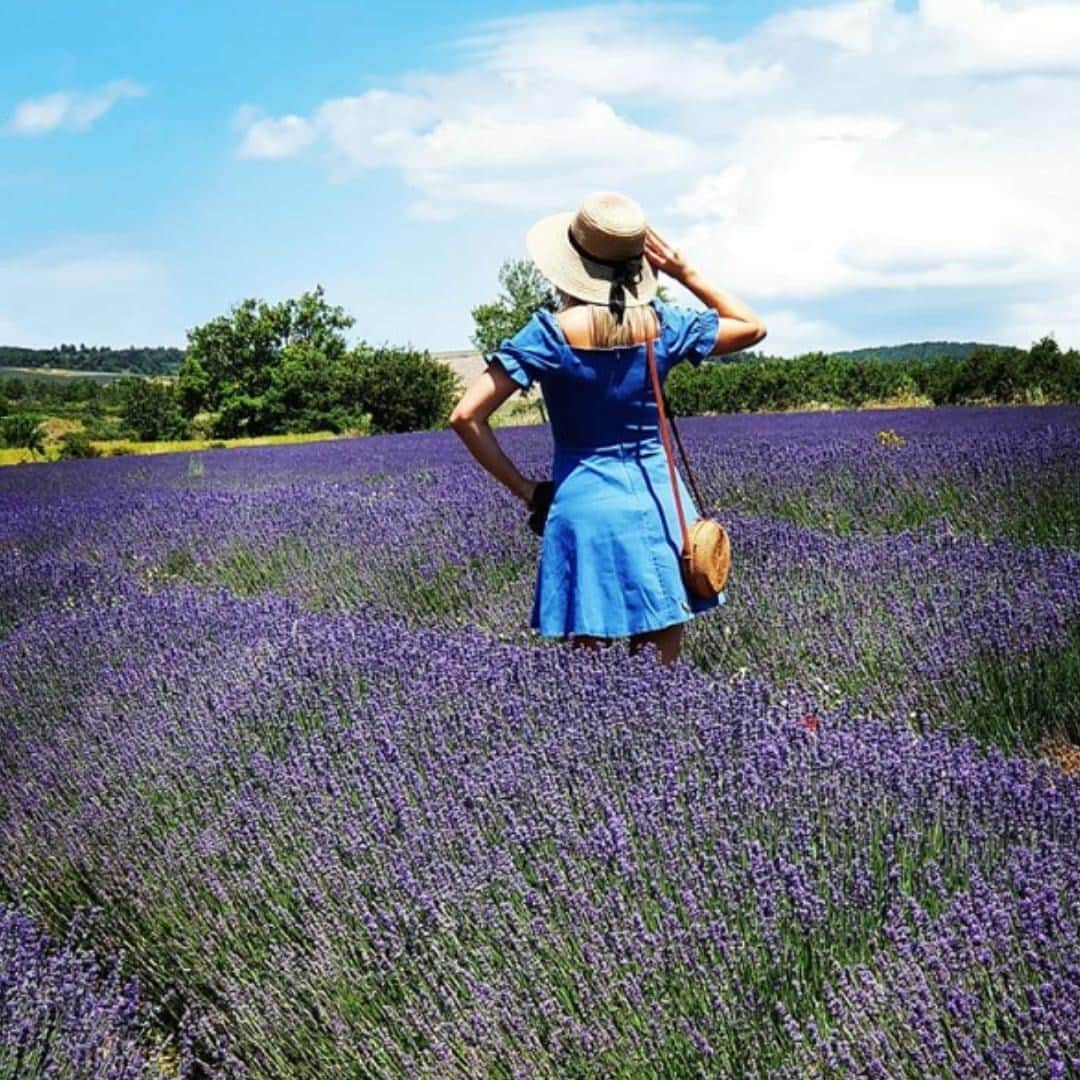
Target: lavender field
[(287, 787)]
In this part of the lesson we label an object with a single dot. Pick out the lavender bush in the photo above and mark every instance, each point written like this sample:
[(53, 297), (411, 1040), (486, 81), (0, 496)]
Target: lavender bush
[(279, 724), (414, 852), (979, 632), (63, 1015)]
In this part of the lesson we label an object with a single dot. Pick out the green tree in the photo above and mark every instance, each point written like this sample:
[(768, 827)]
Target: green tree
[(76, 444), (149, 409), (263, 364), (14, 388), (525, 291)]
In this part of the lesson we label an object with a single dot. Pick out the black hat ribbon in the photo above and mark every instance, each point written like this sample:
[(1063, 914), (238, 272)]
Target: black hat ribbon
[(627, 275)]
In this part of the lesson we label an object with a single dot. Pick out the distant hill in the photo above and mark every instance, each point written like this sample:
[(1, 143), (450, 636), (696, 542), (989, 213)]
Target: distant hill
[(921, 350), (912, 350), (148, 360)]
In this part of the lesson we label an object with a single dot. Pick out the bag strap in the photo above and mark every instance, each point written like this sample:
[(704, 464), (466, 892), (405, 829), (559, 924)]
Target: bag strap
[(685, 460), (666, 440)]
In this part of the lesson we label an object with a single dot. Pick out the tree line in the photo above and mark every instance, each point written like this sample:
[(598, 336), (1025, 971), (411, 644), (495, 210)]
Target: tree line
[(287, 368), (989, 374), (148, 360), (263, 369)]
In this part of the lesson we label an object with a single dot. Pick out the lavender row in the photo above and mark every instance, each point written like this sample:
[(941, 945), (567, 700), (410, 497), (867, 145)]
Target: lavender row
[(913, 621), (999, 959), (997, 472), (941, 622), (369, 849)]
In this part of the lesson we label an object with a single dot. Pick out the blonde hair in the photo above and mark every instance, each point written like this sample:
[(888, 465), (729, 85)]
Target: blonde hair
[(638, 323)]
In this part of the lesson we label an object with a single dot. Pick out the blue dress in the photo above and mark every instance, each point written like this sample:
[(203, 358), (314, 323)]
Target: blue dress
[(609, 561)]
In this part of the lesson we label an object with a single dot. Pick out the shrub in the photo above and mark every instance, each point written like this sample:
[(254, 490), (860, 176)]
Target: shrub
[(401, 389), (201, 425), (150, 409), (77, 444), (23, 431)]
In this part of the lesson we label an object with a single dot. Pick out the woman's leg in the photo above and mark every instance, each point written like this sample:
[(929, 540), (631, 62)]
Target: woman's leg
[(586, 641), (668, 641)]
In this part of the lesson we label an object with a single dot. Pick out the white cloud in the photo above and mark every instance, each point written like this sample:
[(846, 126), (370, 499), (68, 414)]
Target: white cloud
[(270, 138), (622, 51), (791, 334), (835, 147), (939, 38), (456, 151), (998, 36), (817, 205), (852, 26), (1056, 311), (69, 110)]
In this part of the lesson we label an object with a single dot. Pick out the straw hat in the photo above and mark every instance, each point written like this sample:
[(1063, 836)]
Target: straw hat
[(596, 253)]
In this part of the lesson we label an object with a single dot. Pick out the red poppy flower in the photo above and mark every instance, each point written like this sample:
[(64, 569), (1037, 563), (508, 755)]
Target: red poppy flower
[(810, 722)]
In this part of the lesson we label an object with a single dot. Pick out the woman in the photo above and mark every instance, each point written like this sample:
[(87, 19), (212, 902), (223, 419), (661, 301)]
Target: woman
[(609, 562)]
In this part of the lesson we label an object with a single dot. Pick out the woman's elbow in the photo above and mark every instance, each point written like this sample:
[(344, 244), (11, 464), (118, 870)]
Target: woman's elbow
[(461, 419), (760, 333)]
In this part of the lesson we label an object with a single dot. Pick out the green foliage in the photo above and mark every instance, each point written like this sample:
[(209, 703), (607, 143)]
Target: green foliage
[(268, 368), (12, 389), (286, 368), (989, 374), (400, 389), (1024, 699), (150, 410), (23, 431), (266, 365), (76, 444), (525, 291)]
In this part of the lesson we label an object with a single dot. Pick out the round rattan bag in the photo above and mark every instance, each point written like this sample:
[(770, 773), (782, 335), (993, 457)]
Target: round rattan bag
[(706, 564)]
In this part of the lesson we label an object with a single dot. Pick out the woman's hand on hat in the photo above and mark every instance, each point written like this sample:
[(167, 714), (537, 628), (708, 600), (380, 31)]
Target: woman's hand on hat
[(663, 256)]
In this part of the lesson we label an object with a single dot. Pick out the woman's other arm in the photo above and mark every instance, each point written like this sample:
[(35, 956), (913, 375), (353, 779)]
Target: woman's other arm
[(740, 326), (470, 420)]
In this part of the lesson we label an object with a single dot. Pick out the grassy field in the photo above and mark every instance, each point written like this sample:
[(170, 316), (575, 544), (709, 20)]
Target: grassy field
[(60, 373), (514, 413), (116, 447)]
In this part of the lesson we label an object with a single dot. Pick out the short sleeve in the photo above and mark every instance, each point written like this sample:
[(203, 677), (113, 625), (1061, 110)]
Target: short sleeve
[(689, 334), (531, 352)]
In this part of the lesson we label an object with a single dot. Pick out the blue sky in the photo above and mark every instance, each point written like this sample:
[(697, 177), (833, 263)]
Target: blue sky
[(862, 172)]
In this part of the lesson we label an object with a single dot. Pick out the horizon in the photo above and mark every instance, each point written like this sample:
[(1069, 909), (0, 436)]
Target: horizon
[(858, 171), (442, 353)]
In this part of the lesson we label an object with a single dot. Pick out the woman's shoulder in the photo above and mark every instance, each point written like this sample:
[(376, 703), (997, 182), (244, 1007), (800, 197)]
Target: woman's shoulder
[(541, 335), (685, 332), (535, 349), (574, 324)]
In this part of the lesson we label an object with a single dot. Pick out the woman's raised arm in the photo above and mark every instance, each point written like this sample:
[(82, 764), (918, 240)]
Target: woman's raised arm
[(740, 326)]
